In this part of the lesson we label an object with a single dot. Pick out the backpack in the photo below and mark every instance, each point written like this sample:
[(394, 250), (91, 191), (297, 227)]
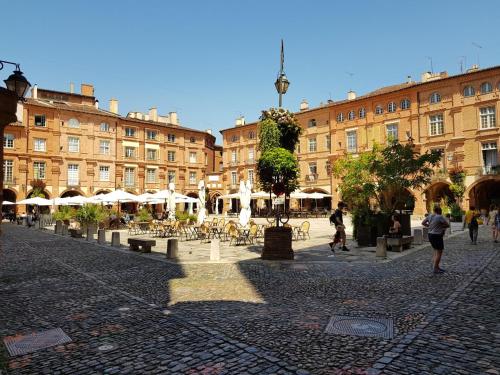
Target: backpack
[(332, 218)]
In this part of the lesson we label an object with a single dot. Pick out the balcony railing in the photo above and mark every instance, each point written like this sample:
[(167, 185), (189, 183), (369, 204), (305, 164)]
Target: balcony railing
[(233, 163), (250, 161), (489, 170), (74, 183), (313, 177), (129, 183)]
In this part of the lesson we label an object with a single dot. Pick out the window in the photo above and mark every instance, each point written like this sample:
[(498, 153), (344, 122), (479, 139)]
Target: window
[(436, 124), (39, 170), (362, 112), (235, 138), (8, 168), (171, 177), (251, 134), (352, 142), (234, 178), (405, 104), (129, 132), (129, 176), (340, 117), (392, 132), (40, 144), (171, 155), (486, 87), (312, 144), (73, 123), (103, 173), (313, 169), (328, 142), (250, 176), (233, 156), (328, 167), (469, 91), (104, 127), (40, 120), (192, 157), (435, 98), (221, 166), (151, 134), (170, 137), (251, 154), (73, 174), (192, 178), (130, 152), (379, 110), (73, 144), (104, 148), (490, 156), (151, 154), (192, 139), (151, 175), (487, 117), (391, 107), (311, 123), (351, 115), (8, 141)]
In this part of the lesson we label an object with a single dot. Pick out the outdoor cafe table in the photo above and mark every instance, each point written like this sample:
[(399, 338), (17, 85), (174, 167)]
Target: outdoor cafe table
[(143, 226), (216, 231)]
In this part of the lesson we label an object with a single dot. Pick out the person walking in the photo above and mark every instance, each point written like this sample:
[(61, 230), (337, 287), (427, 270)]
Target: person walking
[(494, 221), (471, 221), (339, 225), (437, 225)]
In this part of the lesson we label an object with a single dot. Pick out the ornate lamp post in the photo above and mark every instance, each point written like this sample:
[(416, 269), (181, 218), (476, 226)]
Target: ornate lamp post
[(17, 87), (282, 82)]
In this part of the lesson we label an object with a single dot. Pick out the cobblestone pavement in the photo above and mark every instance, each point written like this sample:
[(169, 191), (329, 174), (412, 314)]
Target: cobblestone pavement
[(247, 317)]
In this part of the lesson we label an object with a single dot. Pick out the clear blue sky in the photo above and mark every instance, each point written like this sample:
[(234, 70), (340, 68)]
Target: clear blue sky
[(213, 60)]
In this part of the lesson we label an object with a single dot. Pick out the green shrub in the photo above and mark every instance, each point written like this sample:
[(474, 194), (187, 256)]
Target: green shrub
[(456, 212), (183, 215), (64, 213), (91, 214), (143, 215)]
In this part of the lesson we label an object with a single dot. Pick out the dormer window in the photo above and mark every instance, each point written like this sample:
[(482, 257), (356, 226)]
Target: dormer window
[(73, 123), (486, 88), (311, 123), (362, 112), (405, 104), (391, 107), (340, 117), (379, 110), (351, 115), (435, 98), (469, 91)]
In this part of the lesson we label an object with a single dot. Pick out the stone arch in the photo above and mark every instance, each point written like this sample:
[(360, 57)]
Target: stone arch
[(45, 193), (71, 193), (313, 204), (212, 203), (192, 194), (483, 192), (102, 191), (9, 195), (436, 192)]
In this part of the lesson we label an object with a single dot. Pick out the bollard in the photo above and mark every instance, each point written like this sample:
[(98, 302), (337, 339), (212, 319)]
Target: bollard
[(418, 236), (448, 231), (115, 239), (64, 230), (215, 249), (90, 233), (381, 247), (425, 234), (101, 236), (172, 248), (58, 227)]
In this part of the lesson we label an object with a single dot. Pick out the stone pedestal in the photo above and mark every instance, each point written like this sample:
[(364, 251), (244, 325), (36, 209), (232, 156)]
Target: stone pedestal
[(64, 230), (215, 249), (115, 239), (381, 247), (277, 244), (90, 233), (172, 248), (101, 236), (425, 234), (58, 227), (418, 236)]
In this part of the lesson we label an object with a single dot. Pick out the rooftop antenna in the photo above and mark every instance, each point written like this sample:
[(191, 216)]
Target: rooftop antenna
[(430, 61), (350, 79), (478, 49), (463, 63)]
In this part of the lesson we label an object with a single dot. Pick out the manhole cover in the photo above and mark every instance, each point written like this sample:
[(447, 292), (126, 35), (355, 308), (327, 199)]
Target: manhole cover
[(19, 345), (356, 326)]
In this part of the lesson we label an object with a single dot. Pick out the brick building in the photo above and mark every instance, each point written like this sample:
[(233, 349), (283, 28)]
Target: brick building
[(454, 113)]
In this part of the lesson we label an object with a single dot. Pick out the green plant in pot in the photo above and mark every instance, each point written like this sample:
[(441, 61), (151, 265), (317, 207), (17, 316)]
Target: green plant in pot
[(64, 214), (90, 215), (144, 215)]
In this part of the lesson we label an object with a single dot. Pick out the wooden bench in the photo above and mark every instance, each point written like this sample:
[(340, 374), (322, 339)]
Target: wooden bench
[(137, 244), (400, 243)]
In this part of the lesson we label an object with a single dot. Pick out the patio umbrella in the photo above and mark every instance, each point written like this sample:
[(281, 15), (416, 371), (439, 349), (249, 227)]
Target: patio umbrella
[(245, 197), (317, 196), (7, 203), (116, 196), (171, 201), (262, 195), (37, 201), (201, 205)]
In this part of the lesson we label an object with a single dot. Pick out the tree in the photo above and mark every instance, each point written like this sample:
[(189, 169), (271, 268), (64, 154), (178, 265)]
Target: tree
[(278, 166), (457, 187), (269, 135), (287, 124)]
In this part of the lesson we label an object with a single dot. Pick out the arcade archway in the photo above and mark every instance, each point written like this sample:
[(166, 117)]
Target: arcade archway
[(485, 192)]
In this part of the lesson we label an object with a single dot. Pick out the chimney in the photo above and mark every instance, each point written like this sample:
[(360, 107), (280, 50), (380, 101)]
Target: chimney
[(131, 115), (34, 92), (153, 114), (173, 118), (86, 89), (96, 104), (242, 120), (113, 106), (473, 68), (71, 88), (237, 122), (304, 105), (209, 131), (409, 80), (351, 95)]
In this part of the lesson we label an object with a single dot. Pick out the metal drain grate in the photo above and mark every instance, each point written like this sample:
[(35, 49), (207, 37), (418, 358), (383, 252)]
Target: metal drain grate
[(359, 326), (19, 345)]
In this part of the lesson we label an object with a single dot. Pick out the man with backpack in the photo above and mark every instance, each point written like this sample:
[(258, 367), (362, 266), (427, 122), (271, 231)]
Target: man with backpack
[(337, 219), (472, 223)]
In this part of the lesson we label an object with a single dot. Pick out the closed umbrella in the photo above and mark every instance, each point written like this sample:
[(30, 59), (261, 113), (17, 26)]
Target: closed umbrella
[(201, 204)]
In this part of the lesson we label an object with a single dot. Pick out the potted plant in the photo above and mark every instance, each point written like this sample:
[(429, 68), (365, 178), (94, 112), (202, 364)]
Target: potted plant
[(64, 214), (144, 215), (90, 215)]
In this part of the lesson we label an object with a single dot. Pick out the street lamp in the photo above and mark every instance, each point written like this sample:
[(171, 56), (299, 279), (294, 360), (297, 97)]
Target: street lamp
[(282, 82), (16, 82)]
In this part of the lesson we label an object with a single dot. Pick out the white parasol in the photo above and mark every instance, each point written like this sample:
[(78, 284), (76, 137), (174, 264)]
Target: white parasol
[(37, 201), (171, 201), (245, 197), (7, 203), (202, 212)]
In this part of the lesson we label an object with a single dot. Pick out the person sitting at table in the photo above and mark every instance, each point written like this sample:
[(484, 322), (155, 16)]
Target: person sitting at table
[(395, 229)]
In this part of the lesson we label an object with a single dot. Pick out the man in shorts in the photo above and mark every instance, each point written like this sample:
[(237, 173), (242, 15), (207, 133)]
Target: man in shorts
[(437, 225)]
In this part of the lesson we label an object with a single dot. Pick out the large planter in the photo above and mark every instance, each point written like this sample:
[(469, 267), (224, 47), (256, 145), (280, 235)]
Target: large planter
[(277, 244), (367, 235)]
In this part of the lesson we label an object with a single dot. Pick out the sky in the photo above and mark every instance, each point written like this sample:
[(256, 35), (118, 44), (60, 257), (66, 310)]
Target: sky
[(214, 60)]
